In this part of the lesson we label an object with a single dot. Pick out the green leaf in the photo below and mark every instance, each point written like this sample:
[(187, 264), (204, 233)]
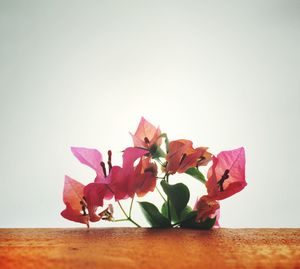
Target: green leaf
[(185, 212), (195, 173), (190, 222), (174, 217), (178, 194), (165, 212), (153, 216)]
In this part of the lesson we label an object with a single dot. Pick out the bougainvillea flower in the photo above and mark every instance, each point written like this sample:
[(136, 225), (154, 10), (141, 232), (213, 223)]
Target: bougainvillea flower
[(91, 158), (226, 176), (146, 135), (76, 206), (129, 179), (81, 201), (94, 194), (206, 207), (145, 177), (182, 156), (121, 177)]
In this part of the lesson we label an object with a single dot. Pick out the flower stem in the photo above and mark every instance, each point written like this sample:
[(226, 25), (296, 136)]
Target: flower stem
[(168, 200), (131, 220), (166, 141), (130, 209), (128, 218), (122, 209), (160, 194), (118, 220), (159, 161)]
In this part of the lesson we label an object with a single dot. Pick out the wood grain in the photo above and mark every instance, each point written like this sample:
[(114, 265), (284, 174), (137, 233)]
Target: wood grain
[(123, 248)]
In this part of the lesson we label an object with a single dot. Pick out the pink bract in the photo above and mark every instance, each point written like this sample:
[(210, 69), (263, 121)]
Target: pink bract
[(146, 135), (226, 176), (91, 158), (143, 164), (73, 199), (128, 180), (94, 193)]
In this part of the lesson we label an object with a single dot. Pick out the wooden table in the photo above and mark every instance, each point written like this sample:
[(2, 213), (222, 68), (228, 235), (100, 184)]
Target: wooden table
[(123, 248)]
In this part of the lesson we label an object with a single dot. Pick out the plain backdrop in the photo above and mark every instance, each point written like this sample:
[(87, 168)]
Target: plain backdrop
[(224, 74)]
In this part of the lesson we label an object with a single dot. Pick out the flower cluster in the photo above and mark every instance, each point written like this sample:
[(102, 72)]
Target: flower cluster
[(154, 158)]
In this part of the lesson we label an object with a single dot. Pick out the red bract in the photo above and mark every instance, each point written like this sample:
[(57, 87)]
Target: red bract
[(94, 194), (206, 207), (75, 203), (227, 174), (182, 156), (146, 135), (129, 179), (145, 177)]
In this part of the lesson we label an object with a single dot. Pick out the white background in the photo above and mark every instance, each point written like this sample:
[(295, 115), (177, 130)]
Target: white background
[(224, 74)]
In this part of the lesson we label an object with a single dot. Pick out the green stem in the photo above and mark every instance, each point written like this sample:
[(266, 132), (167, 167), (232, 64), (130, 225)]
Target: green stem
[(159, 161), (160, 153), (119, 220), (130, 209), (166, 141), (128, 218), (137, 225), (168, 200), (131, 220), (122, 209), (161, 194)]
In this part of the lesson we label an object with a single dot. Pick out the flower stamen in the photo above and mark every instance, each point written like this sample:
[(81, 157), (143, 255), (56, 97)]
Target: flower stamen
[(223, 178), (182, 158), (202, 158), (109, 160), (83, 206), (103, 168)]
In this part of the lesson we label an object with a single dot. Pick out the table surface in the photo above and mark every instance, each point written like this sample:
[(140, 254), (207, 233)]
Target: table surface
[(123, 248)]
